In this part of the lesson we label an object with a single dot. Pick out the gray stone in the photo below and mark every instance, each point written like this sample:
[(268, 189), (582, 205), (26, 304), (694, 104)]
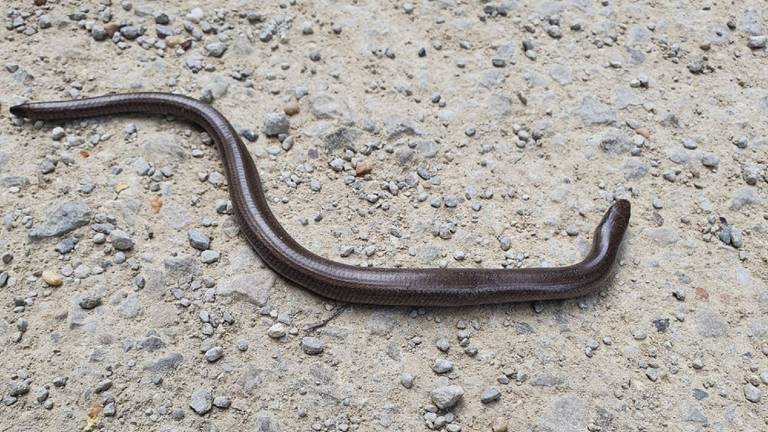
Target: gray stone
[(442, 344), (41, 394), (109, 410), (14, 181), (312, 345), (276, 331), (163, 31), (381, 323), (18, 388), (406, 380), (427, 148), (252, 378), (201, 401), (209, 256), (103, 386), (130, 307), (710, 324), (275, 123), (490, 395), (612, 141), (626, 97), (161, 148), (752, 173), (664, 235), (752, 393), (396, 127), (252, 287), (152, 343), (751, 22), (65, 246), (594, 112), (442, 366), (758, 42), (98, 33), (340, 138), (198, 240), (445, 397), (222, 402), (61, 220), (216, 49), (265, 423), (214, 354), (89, 301), (634, 169), (141, 166), (326, 106), (166, 363), (131, 32), (561, 74), (215, 88), (546, 380), (121, 240), (565, 414), (696, 416), (499, 105), (743, 198), (710, 160)]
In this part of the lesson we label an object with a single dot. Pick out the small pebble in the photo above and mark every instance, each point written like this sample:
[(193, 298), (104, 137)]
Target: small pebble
[(52, 278), (406, 380)]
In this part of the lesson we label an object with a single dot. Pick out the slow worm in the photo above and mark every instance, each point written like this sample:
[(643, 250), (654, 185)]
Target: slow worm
[(347, 283)]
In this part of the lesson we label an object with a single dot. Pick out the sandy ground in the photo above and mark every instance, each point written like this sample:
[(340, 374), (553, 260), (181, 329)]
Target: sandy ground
[(499, 144)]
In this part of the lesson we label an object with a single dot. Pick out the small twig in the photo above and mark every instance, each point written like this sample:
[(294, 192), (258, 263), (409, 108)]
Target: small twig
[(314, 326)]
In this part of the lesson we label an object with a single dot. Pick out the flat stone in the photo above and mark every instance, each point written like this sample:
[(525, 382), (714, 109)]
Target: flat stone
[(162, 148), (561, 74), (252, 287), (710, 324), (327, 106), (565, 414), (634, 169), (744, 197), (594, 112), (166, 363), (546, 380), (61, 220), (130, 307)]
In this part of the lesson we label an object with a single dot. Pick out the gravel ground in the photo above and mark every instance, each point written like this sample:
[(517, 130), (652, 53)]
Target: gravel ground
[(433, 133)]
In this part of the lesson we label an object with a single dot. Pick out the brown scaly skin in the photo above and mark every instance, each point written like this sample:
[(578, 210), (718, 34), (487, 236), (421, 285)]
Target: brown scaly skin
[(381, 286)]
